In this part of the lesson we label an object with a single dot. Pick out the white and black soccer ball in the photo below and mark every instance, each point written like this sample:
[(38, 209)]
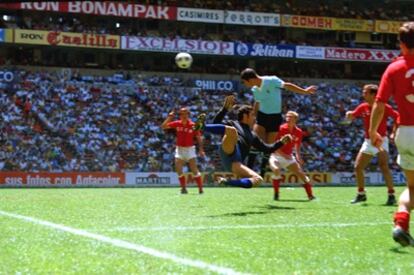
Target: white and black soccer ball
[(183, 60)]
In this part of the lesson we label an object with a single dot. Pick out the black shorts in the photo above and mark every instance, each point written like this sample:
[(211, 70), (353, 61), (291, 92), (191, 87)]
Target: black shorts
[(271, 122)]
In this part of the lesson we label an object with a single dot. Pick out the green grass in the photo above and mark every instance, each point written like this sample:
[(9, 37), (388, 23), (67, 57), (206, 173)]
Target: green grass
[(221, 227)]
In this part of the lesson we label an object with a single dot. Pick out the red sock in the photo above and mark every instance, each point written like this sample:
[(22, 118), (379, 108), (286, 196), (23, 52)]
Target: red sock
[(199, 182), (361, 190), (276, 184), (402, 219), (308, 189), (182, 181), (391, 191)]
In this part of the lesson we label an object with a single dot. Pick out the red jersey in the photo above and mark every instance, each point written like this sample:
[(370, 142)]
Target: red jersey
[(296, 134), (398, 81), (364, 110), (185, 133)]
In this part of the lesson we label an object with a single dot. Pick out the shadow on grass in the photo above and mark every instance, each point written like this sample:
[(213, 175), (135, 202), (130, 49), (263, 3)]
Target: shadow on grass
[(267, 209), (276, 207), (399, 250), (304, 200)]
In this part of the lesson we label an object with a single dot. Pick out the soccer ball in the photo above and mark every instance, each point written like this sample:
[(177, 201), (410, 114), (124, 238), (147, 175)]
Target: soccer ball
[(183, 60)]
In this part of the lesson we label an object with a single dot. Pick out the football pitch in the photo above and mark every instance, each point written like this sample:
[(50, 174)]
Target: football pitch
[(224, 231)]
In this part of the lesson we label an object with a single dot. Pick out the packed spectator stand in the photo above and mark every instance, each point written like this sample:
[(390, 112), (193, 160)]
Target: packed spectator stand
[(65, 120)]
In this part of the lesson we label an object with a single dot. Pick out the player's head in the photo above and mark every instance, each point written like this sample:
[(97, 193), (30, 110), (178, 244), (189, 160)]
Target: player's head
[(245, 114), (249, 77), (183, 113), (292, 117), (406, 37), (369, 92)]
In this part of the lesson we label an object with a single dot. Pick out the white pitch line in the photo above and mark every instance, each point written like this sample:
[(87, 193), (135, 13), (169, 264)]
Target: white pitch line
[(230, 227), (125, 244)]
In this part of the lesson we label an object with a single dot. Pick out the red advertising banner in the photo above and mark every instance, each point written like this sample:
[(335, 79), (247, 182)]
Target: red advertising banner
[(45, 179), (104, 8), (308, 22), (360, 54)]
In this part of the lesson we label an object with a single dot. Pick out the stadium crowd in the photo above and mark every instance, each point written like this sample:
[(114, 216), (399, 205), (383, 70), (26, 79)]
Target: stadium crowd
[(68, 121)]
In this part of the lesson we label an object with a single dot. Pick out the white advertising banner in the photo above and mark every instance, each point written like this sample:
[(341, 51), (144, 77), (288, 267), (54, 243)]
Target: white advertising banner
[(373, 178), (160, 44), (151, 179), (307, 52), (200, 15), (251, 18)]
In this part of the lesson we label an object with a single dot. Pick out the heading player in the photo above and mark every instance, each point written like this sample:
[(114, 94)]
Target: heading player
[(268, 104)]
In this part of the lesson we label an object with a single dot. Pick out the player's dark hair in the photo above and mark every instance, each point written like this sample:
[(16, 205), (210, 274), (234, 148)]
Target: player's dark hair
[(406, 34), (241, 110), (248, 73), (372, 88)]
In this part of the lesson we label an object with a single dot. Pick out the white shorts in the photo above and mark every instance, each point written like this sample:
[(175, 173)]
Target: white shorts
[(281, 161), (368, 148), (404, 141), (185, 153)]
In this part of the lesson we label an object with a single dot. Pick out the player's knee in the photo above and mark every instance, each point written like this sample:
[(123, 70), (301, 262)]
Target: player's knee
[(358, 167), (256, 180), (231, 132), (383, 166)]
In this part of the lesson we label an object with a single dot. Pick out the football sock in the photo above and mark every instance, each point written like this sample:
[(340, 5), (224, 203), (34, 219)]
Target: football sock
[(308, 189), (182, 181), (217, 129), (391, 191), (276, 184), (199, 182), (361, 191), (402, 219), (244, 183)]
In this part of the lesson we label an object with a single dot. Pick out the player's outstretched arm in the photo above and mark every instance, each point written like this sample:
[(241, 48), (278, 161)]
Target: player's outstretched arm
[(260, 145), (229, 102), (296, 89), (169, 118)]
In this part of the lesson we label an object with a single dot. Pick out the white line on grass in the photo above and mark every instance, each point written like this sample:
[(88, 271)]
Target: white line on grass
[(125, 244), (230, 227)]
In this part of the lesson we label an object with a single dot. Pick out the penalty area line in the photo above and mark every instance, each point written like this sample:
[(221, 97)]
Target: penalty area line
[(124, 244)]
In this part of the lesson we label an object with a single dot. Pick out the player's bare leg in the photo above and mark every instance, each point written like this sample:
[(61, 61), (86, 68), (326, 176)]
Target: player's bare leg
[(361, 162), (276, 178), (253, 154), (179, 164), (229, 140), (385, 169), (297, 169), (270, 137), (243, 171), (402, 216), (196, 173)]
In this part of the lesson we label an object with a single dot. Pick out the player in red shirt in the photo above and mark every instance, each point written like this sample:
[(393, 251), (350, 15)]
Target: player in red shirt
[(398, 82), (368, 151), (284, 158), (185, 150)]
